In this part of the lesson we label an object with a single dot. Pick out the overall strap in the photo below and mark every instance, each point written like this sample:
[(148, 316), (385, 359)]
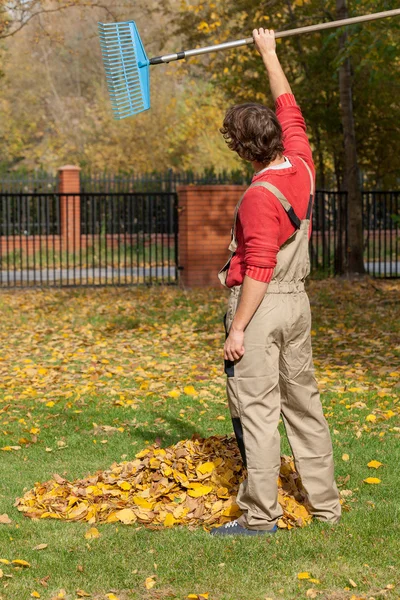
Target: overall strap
[(232, 245), (285, 203), (310, 202)]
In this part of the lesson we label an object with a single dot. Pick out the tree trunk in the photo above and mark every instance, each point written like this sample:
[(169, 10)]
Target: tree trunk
[(354, 251)]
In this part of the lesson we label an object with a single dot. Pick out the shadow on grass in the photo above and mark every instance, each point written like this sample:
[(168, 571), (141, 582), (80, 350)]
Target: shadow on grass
[(177, 430)]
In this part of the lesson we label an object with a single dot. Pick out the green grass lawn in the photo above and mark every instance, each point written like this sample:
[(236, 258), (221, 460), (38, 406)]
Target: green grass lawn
[(71, 359)]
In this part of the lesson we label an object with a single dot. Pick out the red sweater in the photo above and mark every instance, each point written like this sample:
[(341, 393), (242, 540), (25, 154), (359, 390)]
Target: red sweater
[(263, 225)]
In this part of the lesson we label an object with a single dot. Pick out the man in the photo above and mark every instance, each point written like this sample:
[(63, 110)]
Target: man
[(268, 355)]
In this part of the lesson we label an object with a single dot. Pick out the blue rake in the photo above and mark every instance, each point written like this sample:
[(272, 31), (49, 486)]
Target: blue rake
[(127, 65)]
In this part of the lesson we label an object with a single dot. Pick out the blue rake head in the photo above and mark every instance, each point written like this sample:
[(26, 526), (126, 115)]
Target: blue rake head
[(127, 68)]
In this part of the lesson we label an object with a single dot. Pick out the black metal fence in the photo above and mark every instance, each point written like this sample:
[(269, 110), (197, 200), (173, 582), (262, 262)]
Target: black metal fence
[(132, 237), (88, 239), (381, 224)]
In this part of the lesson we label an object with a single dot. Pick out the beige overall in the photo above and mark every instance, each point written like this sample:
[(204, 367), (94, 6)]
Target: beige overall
[(275, 377)]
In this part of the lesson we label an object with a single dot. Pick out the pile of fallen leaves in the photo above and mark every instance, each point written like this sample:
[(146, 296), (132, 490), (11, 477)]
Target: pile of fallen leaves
[(194, 483)]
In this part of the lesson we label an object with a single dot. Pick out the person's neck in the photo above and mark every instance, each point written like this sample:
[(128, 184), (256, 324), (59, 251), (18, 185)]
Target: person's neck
[(257, 166)]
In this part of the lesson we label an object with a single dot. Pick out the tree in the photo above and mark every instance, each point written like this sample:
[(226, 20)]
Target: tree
[(353, 258)]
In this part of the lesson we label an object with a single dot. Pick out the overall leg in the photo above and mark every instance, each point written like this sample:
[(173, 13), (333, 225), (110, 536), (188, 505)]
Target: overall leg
[(302, 413), (254, 401)]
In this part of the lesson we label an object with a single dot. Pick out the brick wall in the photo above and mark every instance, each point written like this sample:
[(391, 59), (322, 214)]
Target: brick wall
[(205, 221)]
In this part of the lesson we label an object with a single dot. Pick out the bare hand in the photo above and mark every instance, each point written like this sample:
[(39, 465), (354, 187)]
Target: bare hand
[(234, 345), (265, 42)]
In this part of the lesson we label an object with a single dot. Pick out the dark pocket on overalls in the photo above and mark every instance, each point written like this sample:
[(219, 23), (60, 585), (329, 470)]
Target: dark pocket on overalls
[(229, 365)]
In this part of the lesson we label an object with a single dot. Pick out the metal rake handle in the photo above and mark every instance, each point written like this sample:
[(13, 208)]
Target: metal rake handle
[(279, 34)]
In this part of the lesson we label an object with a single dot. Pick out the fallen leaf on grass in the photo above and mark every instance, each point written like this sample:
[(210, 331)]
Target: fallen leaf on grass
[(149, 583), (35, 594), (352, 583), (303, 575), (5, 519), (20, 563), (190, 391), (40, 547), (83, 594), (44, 580), (311, 593), (345, 457), (92, 533), (372, 480), (374, 464), (199, 596)]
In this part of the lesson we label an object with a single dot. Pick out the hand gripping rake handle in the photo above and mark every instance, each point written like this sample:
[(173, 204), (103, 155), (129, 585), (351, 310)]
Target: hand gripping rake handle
[(279, 34)]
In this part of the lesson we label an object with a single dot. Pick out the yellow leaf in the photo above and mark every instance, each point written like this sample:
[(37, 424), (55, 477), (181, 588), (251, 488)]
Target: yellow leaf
[(149, 583), (111, 596), (202, 490), (126, 516), (35, 594), (20, 563), (92, 533), (50, 404), (352, 583), (34, 430), (345, 457), (190, 391), (124, 485), (206, 467), (371, 418), (4, 561), (303, 575), (372, 480), (174, 394), (142, 503), (374, 464), (314, 581), (169, 520), (82, 594)]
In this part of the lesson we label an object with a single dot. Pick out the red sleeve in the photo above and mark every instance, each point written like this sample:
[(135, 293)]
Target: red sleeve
[(294, 128), (260, 222)]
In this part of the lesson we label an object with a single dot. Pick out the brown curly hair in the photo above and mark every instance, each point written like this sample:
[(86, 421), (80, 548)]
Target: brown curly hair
[(254, 132)]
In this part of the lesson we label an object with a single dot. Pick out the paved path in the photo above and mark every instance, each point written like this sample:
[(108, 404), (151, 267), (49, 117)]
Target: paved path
[(110, 275), (101, 275)]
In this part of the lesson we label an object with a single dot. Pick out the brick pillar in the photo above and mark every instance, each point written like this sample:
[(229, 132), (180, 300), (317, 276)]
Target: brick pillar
[(70, 207), (205, 221)]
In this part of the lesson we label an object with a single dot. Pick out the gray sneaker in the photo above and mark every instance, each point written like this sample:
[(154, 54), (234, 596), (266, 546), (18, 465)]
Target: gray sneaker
[(233, 528)]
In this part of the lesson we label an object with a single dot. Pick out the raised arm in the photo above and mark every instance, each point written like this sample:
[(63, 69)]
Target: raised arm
[(288, 112), (266, 45)]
